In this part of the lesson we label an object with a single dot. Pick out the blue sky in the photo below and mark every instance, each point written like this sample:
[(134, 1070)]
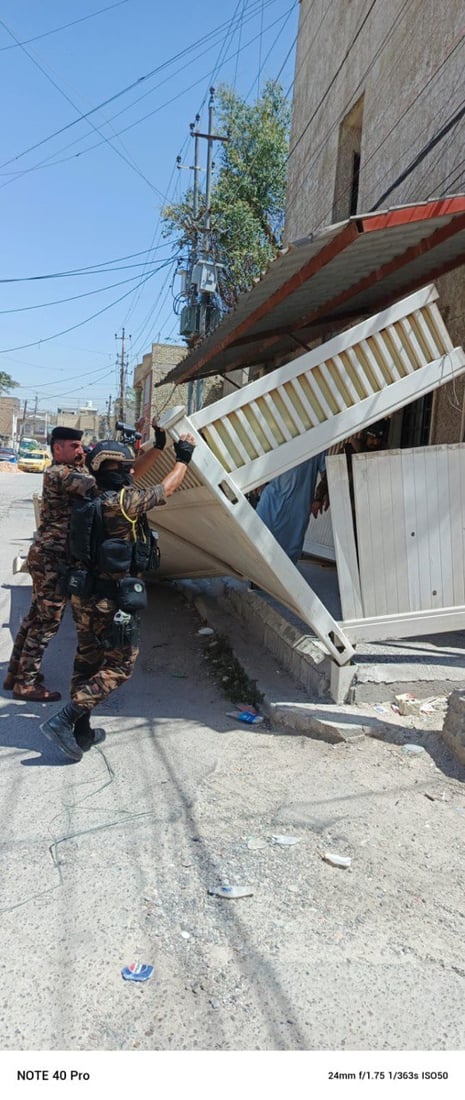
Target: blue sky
[(89, 194)]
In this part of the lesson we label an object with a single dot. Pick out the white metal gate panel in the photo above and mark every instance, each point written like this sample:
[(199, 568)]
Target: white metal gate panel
[(329, 393), (209, 528), (409, 538), (243, 440)]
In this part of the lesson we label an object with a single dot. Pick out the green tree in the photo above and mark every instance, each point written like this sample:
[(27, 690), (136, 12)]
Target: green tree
[(7, 382), (248, 191)]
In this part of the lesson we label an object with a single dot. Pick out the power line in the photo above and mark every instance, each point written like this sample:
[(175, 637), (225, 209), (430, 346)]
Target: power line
[(420, 156), (123, 91), (134, 291), (150, 320), (96, 129), (334, 78), (228, 35), (239, 38), (71, 378), (156, 231), (260, 53), (285, 20), (78, 389), (50, 163), (419, 183), (71, 328), (76, 297), (144, 324), (458, 41), (64, 26), (313, 39), (91, 269), (341, 115)]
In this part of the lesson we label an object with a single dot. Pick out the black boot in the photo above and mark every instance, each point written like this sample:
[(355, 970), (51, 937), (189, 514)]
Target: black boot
[(60, 729), (85, 736)]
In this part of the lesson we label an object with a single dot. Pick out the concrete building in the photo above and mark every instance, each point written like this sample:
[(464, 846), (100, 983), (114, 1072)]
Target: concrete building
[(376, 95), (85, 418), (36, 426), (151, 401), (9, 416)]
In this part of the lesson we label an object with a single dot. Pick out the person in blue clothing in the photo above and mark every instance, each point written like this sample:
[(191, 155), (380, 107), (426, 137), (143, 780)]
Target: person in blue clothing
[(287, 501)]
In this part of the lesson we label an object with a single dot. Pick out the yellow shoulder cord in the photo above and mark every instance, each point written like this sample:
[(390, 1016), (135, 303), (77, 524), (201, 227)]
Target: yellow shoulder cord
[(133, 522)]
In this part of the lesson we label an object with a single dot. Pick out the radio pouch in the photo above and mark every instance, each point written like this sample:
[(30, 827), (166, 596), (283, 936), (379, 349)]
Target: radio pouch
[(131, 594)]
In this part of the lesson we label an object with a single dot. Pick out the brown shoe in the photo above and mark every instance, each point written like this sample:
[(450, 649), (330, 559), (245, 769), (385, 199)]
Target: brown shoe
[(36, 693)]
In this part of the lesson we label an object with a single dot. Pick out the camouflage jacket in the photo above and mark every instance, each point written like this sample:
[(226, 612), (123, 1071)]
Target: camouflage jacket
[(136, 502), (61, 485)]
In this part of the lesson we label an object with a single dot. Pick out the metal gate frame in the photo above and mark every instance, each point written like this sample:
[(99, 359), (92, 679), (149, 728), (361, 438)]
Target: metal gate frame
[(286, 417)]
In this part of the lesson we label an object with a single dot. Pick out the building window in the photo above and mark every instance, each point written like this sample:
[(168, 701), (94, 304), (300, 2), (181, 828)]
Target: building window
[(348, 164)]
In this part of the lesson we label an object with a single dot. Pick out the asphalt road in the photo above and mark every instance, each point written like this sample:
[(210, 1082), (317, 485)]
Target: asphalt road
[(110, 861)]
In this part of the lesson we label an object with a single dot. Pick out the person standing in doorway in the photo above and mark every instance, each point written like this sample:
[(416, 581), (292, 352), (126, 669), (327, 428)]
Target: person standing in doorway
[(286, 503)]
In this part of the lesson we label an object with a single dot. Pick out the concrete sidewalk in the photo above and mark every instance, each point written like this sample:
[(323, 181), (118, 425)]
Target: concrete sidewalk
[(294, 674)]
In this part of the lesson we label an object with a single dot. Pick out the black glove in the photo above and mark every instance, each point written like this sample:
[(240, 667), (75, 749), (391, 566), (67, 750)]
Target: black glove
[(160, 438), (183, 451)]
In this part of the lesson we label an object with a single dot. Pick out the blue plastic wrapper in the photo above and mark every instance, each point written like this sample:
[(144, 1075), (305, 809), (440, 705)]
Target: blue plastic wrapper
[(251, 719), (137, 972)]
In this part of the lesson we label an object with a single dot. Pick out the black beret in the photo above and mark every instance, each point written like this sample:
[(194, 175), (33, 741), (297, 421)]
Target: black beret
[(62, 433)]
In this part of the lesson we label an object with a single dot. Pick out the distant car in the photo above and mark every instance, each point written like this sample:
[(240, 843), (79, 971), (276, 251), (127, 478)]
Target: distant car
[(7, 454), (35, 462)]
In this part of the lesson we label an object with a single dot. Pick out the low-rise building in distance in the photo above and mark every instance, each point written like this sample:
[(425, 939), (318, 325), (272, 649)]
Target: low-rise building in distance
[(9, 417), (86, 419)]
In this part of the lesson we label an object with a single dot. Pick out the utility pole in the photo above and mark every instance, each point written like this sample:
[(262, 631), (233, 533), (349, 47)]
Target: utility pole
[(201, 282), (194, 253), (205, 297), (195, 201), (24, 418), (122, 363), (108, 415)]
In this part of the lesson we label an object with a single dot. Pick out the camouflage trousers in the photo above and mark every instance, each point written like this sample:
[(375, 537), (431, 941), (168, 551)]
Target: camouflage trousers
[(42, 621), (100, 665)]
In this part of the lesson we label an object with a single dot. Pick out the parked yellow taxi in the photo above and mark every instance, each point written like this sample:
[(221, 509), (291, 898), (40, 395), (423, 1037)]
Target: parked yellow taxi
[(35, 462)]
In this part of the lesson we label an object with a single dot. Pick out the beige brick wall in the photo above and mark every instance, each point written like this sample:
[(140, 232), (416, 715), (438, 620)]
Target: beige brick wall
[(155, 365), (392, 65), (9, 410), (87, 420)]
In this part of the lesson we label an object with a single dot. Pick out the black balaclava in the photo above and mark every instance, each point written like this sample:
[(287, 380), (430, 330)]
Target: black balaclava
[(114, 480)]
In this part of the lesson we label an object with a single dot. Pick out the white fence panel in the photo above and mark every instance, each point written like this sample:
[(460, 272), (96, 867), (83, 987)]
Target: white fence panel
[(409, 538)]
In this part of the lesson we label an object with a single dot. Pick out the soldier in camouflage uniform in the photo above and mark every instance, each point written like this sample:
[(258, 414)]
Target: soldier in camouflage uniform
[(66, 479), (107, 651)]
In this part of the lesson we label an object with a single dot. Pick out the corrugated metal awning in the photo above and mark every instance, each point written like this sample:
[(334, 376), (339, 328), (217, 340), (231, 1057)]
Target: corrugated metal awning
[(321, 284)]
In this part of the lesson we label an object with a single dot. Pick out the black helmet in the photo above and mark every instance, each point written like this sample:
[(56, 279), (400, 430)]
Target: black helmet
[(108, 450)]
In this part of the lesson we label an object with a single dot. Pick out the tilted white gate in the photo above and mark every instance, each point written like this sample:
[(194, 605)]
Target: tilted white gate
[(329, 393), (208, 527)]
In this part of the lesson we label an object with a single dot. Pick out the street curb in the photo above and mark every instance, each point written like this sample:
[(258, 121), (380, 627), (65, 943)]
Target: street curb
[(330, 722)]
